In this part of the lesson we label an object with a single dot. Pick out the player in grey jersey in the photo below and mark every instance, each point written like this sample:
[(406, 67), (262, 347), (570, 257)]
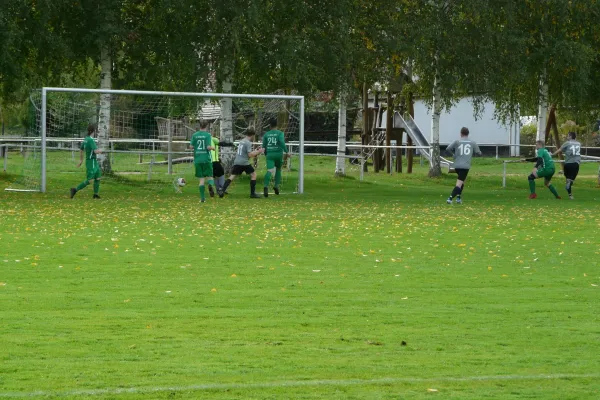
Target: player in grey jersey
[(463, 151), (572, 152), (241, 164)]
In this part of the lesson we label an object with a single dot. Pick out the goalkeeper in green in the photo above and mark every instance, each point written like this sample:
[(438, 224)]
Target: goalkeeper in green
[(274, 145), (202, 144), (93, 172), (544, 168)]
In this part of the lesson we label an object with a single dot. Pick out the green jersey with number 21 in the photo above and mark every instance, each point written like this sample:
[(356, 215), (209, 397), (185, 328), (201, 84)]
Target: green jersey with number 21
[(200, 142)]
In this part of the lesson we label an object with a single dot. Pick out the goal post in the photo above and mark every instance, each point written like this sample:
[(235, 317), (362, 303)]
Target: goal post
[(151, 124)]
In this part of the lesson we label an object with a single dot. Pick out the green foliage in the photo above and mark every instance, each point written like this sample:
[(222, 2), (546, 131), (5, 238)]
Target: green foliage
[(487, 49)]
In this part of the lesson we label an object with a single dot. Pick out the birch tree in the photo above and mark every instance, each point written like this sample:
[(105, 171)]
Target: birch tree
[(340, 162), (547, 55), (451, 53)]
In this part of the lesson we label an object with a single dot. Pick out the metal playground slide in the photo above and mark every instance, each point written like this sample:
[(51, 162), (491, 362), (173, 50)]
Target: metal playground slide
[(418, 138)]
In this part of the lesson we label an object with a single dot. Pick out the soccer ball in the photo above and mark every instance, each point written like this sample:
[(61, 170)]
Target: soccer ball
[(181, 182)]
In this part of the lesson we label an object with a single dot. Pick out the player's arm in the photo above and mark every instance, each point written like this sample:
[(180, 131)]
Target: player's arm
[(450, 149), (537, 160), (477, 150), (559, 150), (208, 142), (252, 154), (94, 148), (282, 143), (81, 153)]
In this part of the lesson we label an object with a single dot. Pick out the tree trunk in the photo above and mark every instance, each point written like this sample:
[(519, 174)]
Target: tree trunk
[(365, 127), (104, 114), (388, 133), (340, 163), (543, 108), (226, 126), (434, 167)]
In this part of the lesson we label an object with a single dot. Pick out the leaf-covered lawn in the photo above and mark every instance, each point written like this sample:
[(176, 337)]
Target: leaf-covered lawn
[(355, 290)]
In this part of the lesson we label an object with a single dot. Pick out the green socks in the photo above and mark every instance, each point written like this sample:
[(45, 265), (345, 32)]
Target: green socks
[(267, 178), (211, 182), (82, 185), (96, 186), (202, 192), (553, 190), (277, 177), (532, 186)]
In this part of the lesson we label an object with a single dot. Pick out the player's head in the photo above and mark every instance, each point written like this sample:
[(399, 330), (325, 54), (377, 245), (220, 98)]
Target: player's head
[(250, 133), (203, 124), (91, 129), (273, 122), (571, 135), (464, 132), (539, 144)]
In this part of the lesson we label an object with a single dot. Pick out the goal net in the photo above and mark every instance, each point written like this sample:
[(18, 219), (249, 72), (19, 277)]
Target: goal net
[(145, 136)]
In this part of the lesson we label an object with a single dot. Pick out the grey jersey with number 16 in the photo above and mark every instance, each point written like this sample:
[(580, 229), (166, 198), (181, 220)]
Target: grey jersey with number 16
[(572, 152), (242, 157), (463, 150)]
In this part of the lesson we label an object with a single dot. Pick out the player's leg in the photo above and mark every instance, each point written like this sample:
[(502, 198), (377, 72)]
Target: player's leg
[(270, 171), (207, 170), (571, 171), (96, 188), (250, 170), (549, 185), (531, 178), (455, 191), (278, 165), (200, 176), (202, 190), (218, 174), (79, 187), (547, 175), (460, 182), (89, 176), (97, 176), (235, 171)]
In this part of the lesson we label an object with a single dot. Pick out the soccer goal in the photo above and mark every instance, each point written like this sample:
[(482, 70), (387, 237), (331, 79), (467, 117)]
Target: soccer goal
[(144, 136)]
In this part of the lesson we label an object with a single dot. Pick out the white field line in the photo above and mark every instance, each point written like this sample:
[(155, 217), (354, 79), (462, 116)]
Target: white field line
[(283, 384)]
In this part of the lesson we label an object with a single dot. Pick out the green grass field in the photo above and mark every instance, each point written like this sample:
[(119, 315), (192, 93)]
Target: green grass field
[(354, 290)]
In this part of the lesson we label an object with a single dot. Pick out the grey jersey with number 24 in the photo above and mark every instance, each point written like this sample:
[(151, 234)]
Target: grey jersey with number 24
[(244, 148), (572, 152), (463, 150)]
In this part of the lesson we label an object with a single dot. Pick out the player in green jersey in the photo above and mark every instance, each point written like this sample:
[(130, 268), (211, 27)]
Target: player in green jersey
[(274, 145), (93, 173), (544, 168), (201, 143)]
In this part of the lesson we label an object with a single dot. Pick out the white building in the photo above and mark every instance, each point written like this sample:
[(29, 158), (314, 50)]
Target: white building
[(485, 130)]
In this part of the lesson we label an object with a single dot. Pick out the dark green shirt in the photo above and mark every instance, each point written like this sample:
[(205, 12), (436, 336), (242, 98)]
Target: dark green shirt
[(200, 142), (274, 142)]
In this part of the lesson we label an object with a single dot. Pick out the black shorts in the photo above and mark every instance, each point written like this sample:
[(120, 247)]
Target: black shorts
[(571, 171), (218, 169), (239, 169), (462, 174)]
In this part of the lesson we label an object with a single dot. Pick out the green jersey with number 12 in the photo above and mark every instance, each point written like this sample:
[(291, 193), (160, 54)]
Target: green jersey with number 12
[(200, 142)]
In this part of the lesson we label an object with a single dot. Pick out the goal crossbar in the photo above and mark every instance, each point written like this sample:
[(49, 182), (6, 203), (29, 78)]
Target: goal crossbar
[(46, 90)]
